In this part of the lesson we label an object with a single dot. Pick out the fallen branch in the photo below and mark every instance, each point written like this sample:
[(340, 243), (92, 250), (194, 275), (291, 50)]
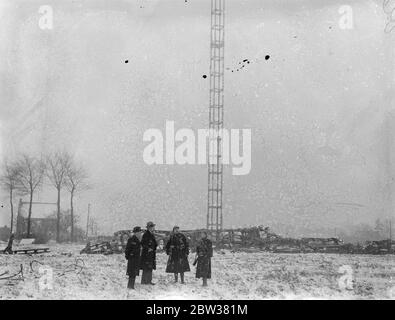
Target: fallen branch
[(78, 266), (13, 276)]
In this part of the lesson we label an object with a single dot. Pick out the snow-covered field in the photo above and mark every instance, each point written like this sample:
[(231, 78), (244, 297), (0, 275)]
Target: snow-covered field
[(236, 275)]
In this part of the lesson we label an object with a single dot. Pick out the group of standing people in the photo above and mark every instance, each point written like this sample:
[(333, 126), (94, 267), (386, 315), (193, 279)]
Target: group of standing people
[(141, 255)]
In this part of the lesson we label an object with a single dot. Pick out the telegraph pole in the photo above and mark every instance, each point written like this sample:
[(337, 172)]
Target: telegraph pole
[(87, 220)]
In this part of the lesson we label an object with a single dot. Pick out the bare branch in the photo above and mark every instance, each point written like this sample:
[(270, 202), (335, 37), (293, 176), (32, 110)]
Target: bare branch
[(57, 166), (76, 178), (30, 173), (9, 176)]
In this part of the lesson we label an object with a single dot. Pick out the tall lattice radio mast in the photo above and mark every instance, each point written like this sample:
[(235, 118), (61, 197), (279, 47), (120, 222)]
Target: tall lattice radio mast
[(216, 116)]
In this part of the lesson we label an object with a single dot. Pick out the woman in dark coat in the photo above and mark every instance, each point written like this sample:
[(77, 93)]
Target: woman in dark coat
[(204, 253), (132, 254), (148, 255), (177, 248)]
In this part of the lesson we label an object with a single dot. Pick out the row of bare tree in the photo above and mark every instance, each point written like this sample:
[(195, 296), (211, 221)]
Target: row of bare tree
[(25, 175)]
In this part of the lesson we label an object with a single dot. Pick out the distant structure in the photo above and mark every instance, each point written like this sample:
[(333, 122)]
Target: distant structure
[(4, 233), (39, 222), (216, 116)]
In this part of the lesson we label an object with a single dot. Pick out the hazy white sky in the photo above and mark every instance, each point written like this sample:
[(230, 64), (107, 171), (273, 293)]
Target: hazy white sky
[(320, 108)]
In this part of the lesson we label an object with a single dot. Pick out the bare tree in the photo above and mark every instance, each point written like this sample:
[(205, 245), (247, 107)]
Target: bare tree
[(30, 177), (8, 181), (57, 166), (75, 182)]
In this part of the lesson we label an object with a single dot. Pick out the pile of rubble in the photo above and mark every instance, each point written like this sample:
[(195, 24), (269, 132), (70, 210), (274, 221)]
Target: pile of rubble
[(259, 238), (380, 247)]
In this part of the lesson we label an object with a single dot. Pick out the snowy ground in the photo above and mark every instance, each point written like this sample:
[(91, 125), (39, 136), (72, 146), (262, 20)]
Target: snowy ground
[(239, 275)]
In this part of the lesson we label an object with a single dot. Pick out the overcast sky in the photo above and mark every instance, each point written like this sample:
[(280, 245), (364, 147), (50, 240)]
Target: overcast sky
[(320, 108)]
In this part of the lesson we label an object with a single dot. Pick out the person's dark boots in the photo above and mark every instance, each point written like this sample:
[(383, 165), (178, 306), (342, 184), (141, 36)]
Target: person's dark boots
[(144, 277), (204, 282), (182, 277), (131, 282), (176, 277)]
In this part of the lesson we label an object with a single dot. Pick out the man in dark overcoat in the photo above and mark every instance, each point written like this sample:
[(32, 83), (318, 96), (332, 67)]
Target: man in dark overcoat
[(177, 248), (133, 255), (204, 253), (148, 255)]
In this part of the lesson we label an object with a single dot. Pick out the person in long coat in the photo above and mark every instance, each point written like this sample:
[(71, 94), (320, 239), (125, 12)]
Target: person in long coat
[(177, 248), (204, 253), (148, 255), (133, 255)]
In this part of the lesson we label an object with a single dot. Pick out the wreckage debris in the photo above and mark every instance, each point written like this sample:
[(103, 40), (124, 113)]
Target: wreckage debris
[(380, 247), (78, 266), (256, 238), (31, 251), (28, 251), (9, 250), (14, 277), (99, 248)]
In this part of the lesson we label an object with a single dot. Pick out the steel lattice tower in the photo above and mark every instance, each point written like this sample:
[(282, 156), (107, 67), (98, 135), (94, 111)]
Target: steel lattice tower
[(216, 115)]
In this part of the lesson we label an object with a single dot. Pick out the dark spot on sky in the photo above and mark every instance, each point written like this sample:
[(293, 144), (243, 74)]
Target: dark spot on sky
[(126, 61), (204, 76), (267, 57)]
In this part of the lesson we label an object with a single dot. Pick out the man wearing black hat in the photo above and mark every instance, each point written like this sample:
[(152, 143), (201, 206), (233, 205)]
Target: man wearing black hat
[(148, 255), (132, 254), (177, 248)]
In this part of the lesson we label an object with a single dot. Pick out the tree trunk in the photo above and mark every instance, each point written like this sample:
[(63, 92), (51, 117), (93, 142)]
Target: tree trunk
[(58, 218), (30, 213), (12, 211), (72, 214)]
